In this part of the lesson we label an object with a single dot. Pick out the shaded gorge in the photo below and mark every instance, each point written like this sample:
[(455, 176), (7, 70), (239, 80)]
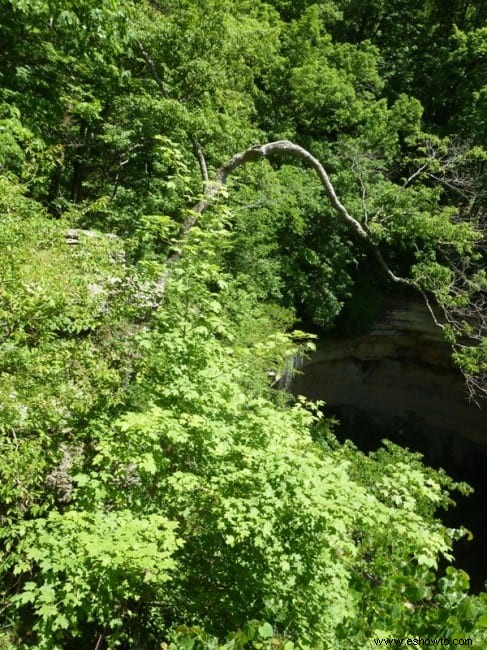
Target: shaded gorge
[(397, 381)]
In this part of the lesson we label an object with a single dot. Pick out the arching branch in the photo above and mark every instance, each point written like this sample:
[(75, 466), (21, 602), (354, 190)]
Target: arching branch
[(281, 147)]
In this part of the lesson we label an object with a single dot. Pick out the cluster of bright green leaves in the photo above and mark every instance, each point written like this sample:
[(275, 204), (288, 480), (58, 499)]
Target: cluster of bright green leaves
[(272, 523), (65, 351), (416, 42), (53, 54), (438, 56), (411, 589), (97, 568), (131, 73), (154, 488)]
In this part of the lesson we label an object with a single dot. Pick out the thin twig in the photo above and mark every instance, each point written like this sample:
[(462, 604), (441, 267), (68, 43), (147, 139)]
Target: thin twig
[(417, 173), (155, 74), (198, 152)]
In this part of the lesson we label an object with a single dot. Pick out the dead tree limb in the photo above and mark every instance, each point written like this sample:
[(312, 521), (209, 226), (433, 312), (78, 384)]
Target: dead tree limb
[(259, 152)]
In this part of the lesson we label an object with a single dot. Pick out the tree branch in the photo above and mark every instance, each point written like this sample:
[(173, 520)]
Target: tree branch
[(280, 147), (155, 74), (417, 173), (198, 152)]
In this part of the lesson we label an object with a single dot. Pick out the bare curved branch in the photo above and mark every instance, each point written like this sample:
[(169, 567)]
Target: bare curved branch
[(284, 147)]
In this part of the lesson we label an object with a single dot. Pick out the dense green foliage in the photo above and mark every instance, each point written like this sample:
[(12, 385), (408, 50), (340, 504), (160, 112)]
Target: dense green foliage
[(155, 489)]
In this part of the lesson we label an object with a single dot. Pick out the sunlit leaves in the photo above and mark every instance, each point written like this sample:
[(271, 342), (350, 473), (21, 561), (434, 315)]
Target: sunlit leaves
[(95, 568), (155, 488)]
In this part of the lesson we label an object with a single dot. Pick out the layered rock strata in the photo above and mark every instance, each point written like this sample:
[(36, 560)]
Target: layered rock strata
[(399, 379)]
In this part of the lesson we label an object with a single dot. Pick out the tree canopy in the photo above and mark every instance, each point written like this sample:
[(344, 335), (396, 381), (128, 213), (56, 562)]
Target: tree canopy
[(156, 488)]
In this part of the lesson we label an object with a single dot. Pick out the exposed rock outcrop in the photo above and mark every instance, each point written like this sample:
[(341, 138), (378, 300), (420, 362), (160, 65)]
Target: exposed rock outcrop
[(399, 378)]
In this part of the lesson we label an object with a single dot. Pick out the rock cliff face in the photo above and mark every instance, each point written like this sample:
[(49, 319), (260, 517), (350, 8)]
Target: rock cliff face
[(398, 380)]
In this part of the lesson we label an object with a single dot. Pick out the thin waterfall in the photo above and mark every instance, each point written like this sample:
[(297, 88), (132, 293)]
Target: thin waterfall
[(283, 380)]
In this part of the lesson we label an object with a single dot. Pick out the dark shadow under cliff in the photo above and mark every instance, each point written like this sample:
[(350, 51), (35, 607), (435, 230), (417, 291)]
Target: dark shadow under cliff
[(397, 381)]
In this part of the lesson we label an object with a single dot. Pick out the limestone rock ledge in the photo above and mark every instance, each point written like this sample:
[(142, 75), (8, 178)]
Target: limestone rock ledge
[(398, 377)]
